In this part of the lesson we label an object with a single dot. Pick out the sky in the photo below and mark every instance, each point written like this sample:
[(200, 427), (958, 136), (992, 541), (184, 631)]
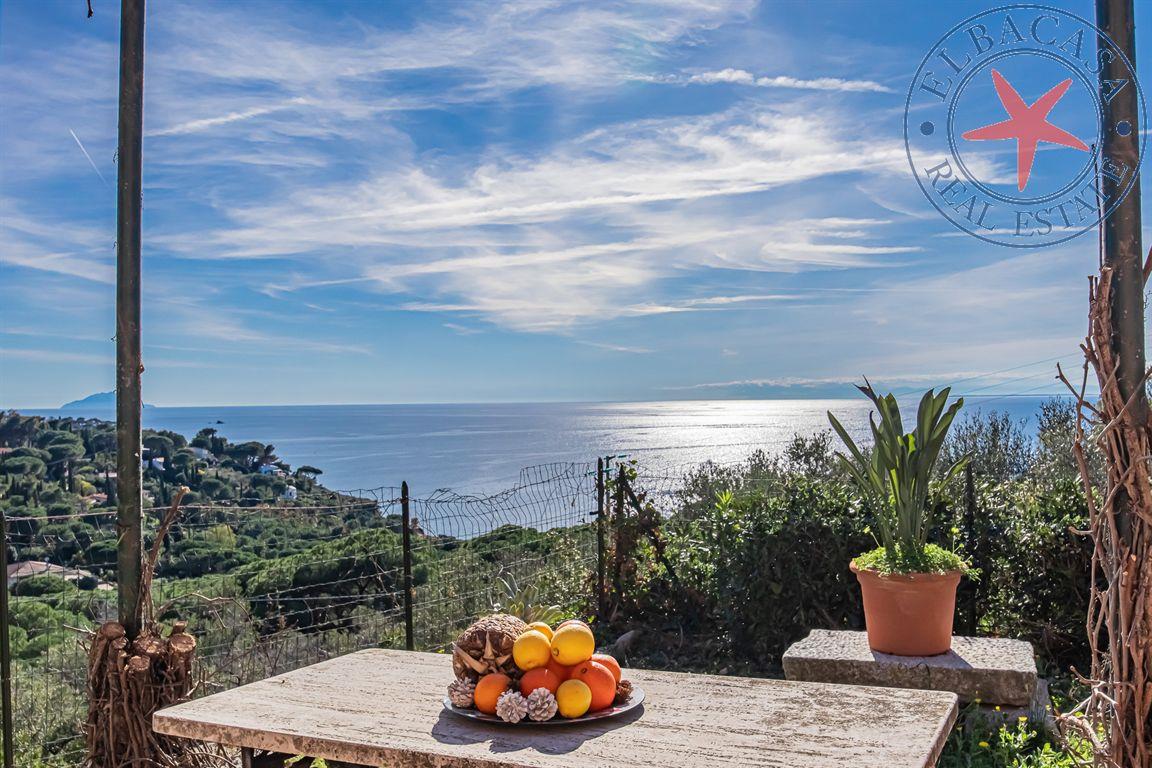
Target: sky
[(373, 202)]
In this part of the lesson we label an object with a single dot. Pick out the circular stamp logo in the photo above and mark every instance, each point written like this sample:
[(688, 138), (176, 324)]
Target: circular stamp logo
[(1003, 126)]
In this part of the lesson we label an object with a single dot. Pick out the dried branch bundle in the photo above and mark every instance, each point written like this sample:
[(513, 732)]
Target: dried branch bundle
[(1116, 718), (130, 678)]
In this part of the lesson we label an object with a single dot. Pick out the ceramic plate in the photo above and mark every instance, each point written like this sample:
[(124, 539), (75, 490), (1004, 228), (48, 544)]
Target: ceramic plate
[(636, 700)]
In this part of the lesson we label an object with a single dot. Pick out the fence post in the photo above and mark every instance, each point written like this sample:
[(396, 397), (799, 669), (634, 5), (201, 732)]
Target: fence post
[(617, 523), (974, 539), (5, 649), (601, 545), (406, 538)]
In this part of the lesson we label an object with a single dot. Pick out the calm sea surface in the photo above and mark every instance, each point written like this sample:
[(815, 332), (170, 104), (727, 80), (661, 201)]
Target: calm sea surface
[(482, 447)]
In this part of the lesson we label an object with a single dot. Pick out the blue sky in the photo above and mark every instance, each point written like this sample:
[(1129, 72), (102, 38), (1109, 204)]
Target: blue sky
[(409, 202)]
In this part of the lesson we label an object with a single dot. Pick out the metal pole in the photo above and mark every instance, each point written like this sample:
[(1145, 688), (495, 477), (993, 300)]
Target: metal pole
[(1120, 142), (406, 516), (617, 523), (128, 359), (973, 541), (5, 648), (601, 546)]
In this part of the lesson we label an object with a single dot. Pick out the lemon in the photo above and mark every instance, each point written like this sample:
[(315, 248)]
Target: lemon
[(573, 644), (573, 698), (542, 628), (531, 650)]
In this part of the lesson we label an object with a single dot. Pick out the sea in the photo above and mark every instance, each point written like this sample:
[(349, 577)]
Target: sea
[(482, 448)]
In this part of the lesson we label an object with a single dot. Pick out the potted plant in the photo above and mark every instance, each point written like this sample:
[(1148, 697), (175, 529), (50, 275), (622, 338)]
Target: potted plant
[(908, 585)]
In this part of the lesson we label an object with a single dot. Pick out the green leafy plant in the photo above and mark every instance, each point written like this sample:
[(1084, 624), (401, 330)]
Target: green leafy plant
[(524, 602), (896, 479)]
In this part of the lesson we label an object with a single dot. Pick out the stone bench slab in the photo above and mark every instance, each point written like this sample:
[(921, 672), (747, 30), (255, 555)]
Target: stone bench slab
[(993, 670)]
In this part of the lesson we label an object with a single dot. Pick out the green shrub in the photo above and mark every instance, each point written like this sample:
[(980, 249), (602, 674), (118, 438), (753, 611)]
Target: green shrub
[(767, 565), (978, 742), (43, 584), (1035, 581)]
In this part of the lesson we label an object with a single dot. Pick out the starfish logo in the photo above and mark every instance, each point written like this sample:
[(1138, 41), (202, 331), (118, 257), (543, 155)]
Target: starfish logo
[(1028, 125), (967, 123)]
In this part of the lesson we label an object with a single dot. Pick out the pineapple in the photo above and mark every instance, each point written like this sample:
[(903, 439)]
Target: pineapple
[(486, 646)]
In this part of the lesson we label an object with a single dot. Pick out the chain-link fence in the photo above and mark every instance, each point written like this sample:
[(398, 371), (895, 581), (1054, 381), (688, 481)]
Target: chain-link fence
[(269, 588)]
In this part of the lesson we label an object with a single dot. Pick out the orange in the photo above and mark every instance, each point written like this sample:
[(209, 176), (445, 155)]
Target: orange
[(611, 663), (540, 678), (572, 621), (600, 681), (488, 690), (573, 698), (560, 670)]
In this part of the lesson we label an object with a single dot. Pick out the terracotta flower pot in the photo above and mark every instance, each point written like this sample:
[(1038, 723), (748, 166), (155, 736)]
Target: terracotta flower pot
[(909, 614)]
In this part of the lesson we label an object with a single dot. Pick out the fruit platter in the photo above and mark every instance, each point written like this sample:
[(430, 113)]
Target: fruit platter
[(508, 671)]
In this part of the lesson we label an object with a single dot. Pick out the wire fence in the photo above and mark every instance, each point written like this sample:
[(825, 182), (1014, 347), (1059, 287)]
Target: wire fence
[(269, 588)]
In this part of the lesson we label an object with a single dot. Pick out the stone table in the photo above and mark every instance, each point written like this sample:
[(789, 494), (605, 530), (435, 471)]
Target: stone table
[(383, 708), (993, 670)]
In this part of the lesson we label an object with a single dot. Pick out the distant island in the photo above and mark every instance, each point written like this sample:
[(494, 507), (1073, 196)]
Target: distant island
[(100, 400)]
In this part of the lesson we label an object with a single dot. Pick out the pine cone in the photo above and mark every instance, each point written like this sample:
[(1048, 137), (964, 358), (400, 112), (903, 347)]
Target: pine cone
[(623, 692), (511, 706), (460, 692), (541, 705)]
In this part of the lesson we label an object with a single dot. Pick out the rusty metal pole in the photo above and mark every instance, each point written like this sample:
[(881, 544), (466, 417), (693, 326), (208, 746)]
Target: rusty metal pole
[(1123, 252), (129, 367), (601, 543), (1125, 668), (5, 651), (974, 544), (406, 542)]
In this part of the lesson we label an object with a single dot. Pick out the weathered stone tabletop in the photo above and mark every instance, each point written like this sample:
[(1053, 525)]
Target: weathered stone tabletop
[(993, 670), (383, 708)]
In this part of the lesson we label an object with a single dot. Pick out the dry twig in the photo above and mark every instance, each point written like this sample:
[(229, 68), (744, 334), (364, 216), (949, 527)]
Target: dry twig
[(1116, 718)]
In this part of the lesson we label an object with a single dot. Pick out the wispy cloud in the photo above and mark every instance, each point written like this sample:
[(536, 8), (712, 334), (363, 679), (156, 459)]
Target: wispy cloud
[(193, 320), (679, 180), (54, 356), (194, 126), (463, 330), (616, 347), (53, 245), (744, 77), (520, 240)]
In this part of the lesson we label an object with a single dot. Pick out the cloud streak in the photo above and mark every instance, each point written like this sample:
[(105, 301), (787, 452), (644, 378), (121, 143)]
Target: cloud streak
[(744, 77)]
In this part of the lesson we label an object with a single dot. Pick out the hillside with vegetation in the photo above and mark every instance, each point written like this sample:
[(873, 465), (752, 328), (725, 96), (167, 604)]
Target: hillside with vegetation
[(726, 566), (271, 569)]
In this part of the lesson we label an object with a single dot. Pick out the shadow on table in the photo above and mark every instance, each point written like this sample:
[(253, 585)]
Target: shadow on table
[(546, 739)]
